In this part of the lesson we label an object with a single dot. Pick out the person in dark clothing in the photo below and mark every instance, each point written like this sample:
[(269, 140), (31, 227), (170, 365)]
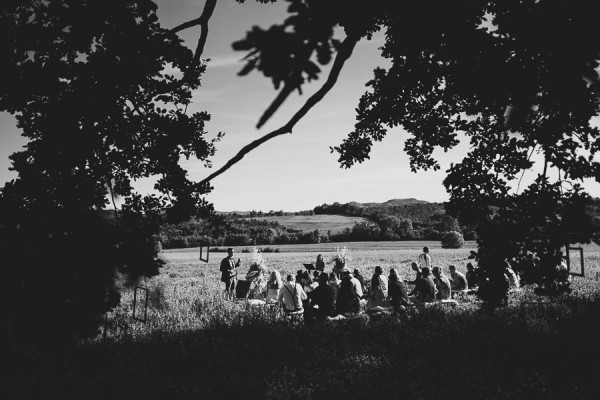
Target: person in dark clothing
[(347, 299), (320, 264), (229, 272), (360, 278), (323, 297), (472, 276), (397, 292), (424, 291), (299, 276)]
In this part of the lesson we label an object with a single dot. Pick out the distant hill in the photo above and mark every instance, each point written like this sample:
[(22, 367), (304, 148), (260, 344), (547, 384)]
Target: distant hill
[(392, 203), (418, 211)]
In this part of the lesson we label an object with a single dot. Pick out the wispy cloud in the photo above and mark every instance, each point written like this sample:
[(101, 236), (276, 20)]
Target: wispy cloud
[(232, 60)]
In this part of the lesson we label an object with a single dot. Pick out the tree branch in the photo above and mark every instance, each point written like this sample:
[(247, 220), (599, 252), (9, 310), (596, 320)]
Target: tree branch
[(209, 8), (292, 83), (343, 54), (283, 94)]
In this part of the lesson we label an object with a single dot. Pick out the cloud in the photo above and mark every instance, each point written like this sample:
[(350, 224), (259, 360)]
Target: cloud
[(232, 60)]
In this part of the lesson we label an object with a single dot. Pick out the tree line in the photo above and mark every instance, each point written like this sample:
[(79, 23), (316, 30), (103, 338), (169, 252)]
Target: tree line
[(422, 221)]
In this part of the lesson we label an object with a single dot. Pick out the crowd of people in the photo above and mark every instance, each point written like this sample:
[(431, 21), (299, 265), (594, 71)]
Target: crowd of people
[(320, 295)]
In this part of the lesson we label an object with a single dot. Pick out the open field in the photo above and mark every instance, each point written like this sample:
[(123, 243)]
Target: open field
[(330, 247), (322, 222), (197, 345)]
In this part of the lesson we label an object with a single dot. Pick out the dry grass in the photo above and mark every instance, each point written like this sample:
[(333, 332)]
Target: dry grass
[(196, 345)]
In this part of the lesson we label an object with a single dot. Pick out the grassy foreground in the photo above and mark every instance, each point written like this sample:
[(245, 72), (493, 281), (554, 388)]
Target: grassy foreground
[(196, 345)]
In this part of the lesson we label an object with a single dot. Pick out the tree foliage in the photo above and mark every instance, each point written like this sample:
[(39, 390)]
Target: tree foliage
[(453, 240), (100, 91), (513, 77)]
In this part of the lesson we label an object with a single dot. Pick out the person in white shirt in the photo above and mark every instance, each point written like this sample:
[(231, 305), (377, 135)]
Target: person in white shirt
[(425, 258), (291, 295)]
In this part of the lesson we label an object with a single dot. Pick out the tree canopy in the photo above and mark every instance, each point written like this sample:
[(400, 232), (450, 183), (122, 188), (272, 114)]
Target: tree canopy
[(100, 91), (112, 86), (513, 78)]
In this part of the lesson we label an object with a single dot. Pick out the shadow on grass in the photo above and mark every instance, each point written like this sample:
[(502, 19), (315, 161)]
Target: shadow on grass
[(528, 351)]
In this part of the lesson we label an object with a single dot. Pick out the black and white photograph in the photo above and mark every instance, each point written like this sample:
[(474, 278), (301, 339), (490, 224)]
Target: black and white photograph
[(300, 199)]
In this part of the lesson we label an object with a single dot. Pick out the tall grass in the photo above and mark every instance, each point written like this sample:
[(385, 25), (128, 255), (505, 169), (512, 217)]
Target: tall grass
[(198, 344)]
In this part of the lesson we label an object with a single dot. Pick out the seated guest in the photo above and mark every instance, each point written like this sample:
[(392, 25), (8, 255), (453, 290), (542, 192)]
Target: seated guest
[(316, 276), (442, 284), (415, 267), (291, 295), (378, 293), (334, 282), (347, 300), (307, 285), (274, 285), (299, 276), (424, 291), (458, 280), (323, 297), (397, 292), (360, 278), (355, 282), (472, 276)]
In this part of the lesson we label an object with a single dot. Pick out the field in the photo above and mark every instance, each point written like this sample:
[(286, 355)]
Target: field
[(197, 345), (322, 222), (325, 248)]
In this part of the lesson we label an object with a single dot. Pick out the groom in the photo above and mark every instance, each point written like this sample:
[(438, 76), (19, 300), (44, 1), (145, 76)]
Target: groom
[(229, 272)]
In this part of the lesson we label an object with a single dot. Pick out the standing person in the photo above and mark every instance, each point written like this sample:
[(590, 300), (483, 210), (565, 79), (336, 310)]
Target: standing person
[(291, 295), (424, 291), (320, 263), (425, 258), (442, 284), (397, 291), (229, 271)]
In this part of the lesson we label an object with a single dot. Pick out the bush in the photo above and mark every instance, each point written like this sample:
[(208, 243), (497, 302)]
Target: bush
[(453, 240), (270, 250)]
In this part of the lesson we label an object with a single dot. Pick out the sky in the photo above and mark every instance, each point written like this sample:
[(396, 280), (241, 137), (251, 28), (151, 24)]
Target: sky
[(292, 172)]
